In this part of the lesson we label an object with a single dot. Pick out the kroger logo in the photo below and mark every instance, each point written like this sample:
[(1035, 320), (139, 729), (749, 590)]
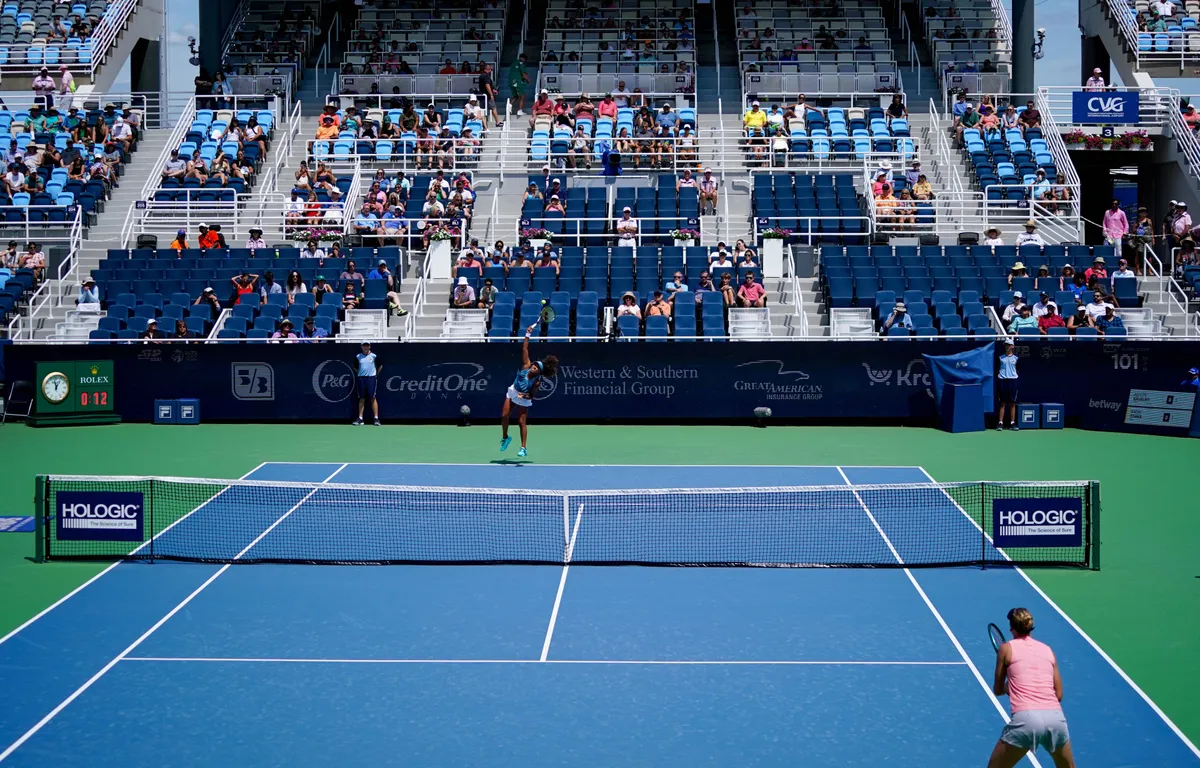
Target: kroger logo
[(444, 380), (909, 376), (333, 381)]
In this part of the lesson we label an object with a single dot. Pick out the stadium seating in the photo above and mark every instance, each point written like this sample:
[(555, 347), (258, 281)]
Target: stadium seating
[(953, 284), (811, 204), (25, 23), (137, 284), (207, 135)]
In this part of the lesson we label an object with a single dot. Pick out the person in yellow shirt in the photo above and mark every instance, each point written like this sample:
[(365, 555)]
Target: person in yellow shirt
[(922, 190), (327, 130), (754, 120)]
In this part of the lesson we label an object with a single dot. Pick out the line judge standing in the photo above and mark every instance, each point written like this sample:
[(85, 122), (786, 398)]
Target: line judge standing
[(368, 377)]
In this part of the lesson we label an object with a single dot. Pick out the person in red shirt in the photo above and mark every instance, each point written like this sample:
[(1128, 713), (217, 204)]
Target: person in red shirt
[(1097, 270), (750, 293), (209, 238), (1051, 319), (448, 69), (1191, 117)]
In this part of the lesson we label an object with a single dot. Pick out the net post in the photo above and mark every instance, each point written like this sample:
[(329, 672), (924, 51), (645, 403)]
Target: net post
[(566, 524), (983, 526), (1093, 514), (148, 513), (41, 514)]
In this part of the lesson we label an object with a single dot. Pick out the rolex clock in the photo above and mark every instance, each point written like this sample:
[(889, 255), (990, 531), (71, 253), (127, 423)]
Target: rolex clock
[(75, 392), (56, 387)]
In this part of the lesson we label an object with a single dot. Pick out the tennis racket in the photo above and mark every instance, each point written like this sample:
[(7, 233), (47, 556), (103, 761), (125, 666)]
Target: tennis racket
[(547, 314), (996, 636)]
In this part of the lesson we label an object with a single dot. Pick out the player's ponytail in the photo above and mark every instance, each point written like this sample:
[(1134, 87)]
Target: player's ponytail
[(549, 365)]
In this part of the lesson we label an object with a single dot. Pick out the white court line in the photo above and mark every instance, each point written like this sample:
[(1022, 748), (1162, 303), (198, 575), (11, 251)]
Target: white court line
[(104, 670), (937, 615), (598, 662), (647, 466), (562, 583), (1116, 667), (75, 591)]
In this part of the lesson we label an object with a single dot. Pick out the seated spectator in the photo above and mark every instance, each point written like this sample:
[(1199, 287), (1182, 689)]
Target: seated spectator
[(381, 272), (1018, 270), (675, 285), (152, 335), (555, 205), (285, 334), (448, 68), (524, 257), (210, 238), (121, 134), (658, 306), (487, 294), (1097, 270), (899, 317), (751, 293), (579, 150), (180, 242), (312, 250), (310, 331), (472, 257), (1123, 270), (629, 306), (181, 331), (968, 122), (1050, 319), (1097, 307), (366, 223), (1079, 319), (754, 121), (685, 181), (269, 286), (208, 297), (334, 215), (1023, 320), (746, 258), (174, 167), (1014, 307), (547, 258), (294, 286), (906, 209), (468, 146), (1043, 304), (255, 240), (351, 295), (463, 295), (1030, 236), (607, 108), (327, 130), (720, 259), (896, 110), (1191, 117), (1109, 321), (1030, 117), (88, 295)]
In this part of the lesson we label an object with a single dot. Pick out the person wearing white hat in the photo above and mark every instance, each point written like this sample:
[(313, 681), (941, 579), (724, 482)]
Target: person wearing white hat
[(1095, 82), (472, 111), (627, 229), (1014, 307), (88, 295), (884, 169), (755, 120), (708, 192), (1030, 236), (463, 296), (152, 335)]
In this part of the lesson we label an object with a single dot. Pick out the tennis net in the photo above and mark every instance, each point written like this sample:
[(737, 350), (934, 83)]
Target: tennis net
[(232, 521)]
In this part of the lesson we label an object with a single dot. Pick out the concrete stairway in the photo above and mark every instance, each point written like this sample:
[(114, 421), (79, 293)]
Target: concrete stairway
[(107, 232)]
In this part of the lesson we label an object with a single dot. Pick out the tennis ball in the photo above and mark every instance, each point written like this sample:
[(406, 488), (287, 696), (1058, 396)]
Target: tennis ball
[(543, 302)]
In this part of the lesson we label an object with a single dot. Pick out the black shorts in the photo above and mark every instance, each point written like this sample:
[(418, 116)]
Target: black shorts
[(1006, 390), (366, 387)]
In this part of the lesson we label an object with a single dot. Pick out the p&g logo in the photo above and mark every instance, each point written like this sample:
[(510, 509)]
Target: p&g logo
[(333, 381)]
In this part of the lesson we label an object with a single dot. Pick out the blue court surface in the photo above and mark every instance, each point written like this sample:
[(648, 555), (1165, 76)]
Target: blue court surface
[(263, 665)]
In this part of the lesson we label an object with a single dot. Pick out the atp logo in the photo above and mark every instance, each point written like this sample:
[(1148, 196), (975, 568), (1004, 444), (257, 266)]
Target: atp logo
[(253, 381)]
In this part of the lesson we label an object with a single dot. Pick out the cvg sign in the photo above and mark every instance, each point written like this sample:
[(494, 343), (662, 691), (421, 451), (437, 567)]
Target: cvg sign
[(1108, 107)]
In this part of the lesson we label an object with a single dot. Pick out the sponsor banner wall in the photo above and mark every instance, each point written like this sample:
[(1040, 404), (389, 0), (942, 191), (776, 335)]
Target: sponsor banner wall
[(622, 382)]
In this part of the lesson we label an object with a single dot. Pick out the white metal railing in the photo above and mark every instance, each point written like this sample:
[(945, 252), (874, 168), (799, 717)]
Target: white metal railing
[(955, 212), (883, 84), (1052, 135), (737, 152), (51, 292), (1177, 298), (943, 153), (914, 62), (1192, 328), (1155, 105), (185, 118), (419, 296), (218, 326), (1154, 268), (797, 296), (807, 226), (1178, 49), (1187, 141), (597, 238), (1003, 24), (86, 58)]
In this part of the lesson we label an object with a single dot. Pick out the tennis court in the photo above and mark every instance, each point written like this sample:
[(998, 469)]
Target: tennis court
[(543, 664)]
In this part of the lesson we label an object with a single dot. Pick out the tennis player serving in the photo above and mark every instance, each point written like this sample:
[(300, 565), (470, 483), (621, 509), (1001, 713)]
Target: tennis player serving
[(520, 394), (1027, 672)]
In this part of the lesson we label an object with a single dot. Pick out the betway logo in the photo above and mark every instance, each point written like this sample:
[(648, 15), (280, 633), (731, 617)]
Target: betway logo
[(1105, 405)]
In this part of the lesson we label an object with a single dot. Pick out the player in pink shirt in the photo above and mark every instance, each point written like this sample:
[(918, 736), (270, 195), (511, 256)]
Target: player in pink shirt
[(1027, 672)]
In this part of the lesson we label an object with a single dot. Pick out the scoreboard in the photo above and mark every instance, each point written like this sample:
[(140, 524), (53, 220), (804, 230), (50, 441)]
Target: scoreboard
[(74, 389)]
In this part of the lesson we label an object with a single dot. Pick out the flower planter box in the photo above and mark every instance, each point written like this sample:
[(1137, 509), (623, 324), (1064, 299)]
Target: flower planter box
[(684, 243), (537, 243), (441, 260), (772, 257)]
